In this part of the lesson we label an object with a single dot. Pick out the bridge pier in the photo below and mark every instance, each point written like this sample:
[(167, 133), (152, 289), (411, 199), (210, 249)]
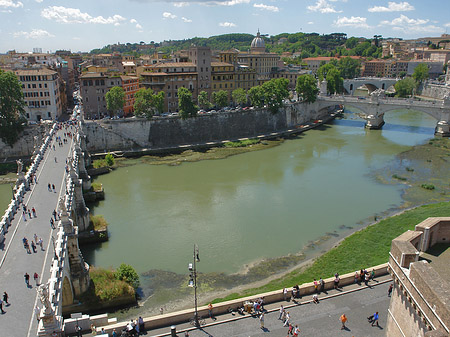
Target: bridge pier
[(442, 129), (374, 122)]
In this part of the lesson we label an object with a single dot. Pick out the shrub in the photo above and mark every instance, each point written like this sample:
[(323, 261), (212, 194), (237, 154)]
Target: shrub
[(428, 187), (106, 286), (242, 143), (128, 274), (395, 176), (98, 222), (109, 158)]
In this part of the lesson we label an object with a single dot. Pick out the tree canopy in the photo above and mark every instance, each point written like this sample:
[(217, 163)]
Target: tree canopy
[(128, 274), (115, 99), (220, 98), (239, 96), (405, 87), (270, 93), (185, 104), (420, 72), (335, 82), (203, 100), (147, 103), (12, 120), (307, 88)]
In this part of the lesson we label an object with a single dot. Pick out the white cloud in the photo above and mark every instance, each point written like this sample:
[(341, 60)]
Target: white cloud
[(323, 6), (138, 26), (447, 24), (39, 1), (168, 15), (10, 3), (133, 21), (181, 4), (267, 7), (225, 2), (310, 23), (403, 20), (354, 21), (227, 24), (393, 7), (412, 26), (74, 15), (34, 34), (186, 19)]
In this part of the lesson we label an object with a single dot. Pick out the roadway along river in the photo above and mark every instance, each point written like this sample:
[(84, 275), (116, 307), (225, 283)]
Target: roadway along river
[(256, 205)]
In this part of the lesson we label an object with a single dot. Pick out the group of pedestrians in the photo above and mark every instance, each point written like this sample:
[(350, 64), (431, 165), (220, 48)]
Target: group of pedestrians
[(364, 276), (34, 243), (27, 279), (31, 212)]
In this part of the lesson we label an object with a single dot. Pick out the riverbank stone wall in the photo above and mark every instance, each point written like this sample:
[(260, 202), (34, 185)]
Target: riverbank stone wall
[(435, 91), (136, 133), (29, 138)]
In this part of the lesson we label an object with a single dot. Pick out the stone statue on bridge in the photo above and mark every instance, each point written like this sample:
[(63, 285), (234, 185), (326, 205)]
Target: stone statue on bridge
[(19, 166), (62, 205), (44, 297)]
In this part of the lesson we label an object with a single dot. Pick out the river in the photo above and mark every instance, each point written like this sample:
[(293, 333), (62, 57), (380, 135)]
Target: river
[(253, 206), (256, 205)]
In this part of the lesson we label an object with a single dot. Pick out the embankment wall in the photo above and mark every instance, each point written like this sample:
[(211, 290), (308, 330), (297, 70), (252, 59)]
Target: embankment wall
[(29, 138), (435, 91), (131, 134)]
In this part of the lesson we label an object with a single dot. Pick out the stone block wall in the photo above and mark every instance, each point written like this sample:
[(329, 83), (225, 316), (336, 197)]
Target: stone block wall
[(24, 147), (435, 91)]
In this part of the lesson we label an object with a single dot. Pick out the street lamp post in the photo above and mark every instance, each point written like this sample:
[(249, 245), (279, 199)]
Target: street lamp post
[(12, 190), (193, 282), (54, 247)]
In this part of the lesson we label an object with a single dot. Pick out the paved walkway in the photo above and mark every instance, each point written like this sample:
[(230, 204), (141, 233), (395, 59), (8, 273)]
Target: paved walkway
[(356, 300), (19, 319)]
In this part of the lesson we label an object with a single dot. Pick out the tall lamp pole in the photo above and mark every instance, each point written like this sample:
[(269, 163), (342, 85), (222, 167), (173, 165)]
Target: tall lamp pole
[(193, 282)]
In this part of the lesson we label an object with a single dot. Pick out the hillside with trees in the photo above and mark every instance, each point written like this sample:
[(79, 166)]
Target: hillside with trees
[(305, 44)]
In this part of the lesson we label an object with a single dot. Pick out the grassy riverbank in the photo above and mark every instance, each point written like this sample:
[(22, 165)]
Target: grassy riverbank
[(367, 247)]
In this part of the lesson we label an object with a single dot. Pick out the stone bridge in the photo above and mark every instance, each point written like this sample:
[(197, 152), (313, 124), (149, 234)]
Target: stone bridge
[(62, 273), (372, 83), (374, 108)]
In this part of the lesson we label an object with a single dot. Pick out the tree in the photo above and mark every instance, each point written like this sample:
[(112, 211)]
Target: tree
[(109, 158), (349, 68), (307, 88), (115, 99), (335, 83), (147, 103), (420, 72), (275, 91), (323, 70), (12, 120), (128, 274), (239, 96), (203, 100), (220, 98), (185, 104), (405, 87), (256, 96)]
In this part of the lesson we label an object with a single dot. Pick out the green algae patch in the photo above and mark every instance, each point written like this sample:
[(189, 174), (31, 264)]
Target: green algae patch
[(367, 247)]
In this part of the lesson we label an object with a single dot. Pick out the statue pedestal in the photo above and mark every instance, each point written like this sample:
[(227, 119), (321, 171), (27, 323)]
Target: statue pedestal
[(50, 326), (442, 129), (374, 122)]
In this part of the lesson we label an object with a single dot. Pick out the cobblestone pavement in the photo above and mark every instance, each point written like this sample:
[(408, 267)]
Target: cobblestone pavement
[(19, 319)]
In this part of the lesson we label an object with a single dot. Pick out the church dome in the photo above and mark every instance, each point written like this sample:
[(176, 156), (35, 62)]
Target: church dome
[(258, 42)]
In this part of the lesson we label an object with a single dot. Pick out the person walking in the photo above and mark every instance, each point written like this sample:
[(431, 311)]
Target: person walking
[(285, 293), (41, 243), (36, 278), (54, 214), (281, 311), (53, 187), (37, 312), (343, 321), (27, 279), (322, 285), (35, 237), (34, 212), (1, 307), (52, 223), (288, 317), (49, 187), (373, 319), (261, 320), (24, 216), (296, 331), (33, 246), (390, 290), (5, 297)]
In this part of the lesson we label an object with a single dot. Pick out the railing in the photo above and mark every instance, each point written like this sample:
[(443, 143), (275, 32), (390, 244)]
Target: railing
[(23, 186)]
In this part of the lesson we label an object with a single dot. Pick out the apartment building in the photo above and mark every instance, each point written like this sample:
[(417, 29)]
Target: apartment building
[(130, 85), (42, 93)]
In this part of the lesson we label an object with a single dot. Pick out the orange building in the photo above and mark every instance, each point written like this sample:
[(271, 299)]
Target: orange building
[(130, 85)]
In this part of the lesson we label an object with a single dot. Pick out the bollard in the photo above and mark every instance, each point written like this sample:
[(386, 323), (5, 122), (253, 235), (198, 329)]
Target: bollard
[(173, 331)]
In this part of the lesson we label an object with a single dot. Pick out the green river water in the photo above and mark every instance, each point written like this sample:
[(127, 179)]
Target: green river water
[(257, 205), (253, 206)]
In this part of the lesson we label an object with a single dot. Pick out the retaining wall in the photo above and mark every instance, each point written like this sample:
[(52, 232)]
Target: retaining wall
[(435, 91), (129, 134), (24, 147)]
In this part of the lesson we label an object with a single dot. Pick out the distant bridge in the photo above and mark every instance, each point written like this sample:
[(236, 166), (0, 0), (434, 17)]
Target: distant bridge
[(375, 107), (372, 83)]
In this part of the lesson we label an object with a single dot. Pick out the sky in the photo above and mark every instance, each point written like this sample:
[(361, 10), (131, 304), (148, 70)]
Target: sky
[(83, 25)]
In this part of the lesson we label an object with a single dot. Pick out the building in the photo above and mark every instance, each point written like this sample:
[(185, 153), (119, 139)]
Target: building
[(377, 68), (418, 263), (291, 74), (259, 60), (222, 76), (42, 93), (130, 85), (168, 77), (93, 88)]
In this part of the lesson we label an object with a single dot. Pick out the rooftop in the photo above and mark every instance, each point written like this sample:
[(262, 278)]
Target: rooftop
[(438, 257), (35, 71)]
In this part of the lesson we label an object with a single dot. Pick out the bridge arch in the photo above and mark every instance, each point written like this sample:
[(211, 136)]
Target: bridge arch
[(67, 292)]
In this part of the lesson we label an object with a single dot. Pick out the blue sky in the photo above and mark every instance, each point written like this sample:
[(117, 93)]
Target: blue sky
[(86, 24)]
